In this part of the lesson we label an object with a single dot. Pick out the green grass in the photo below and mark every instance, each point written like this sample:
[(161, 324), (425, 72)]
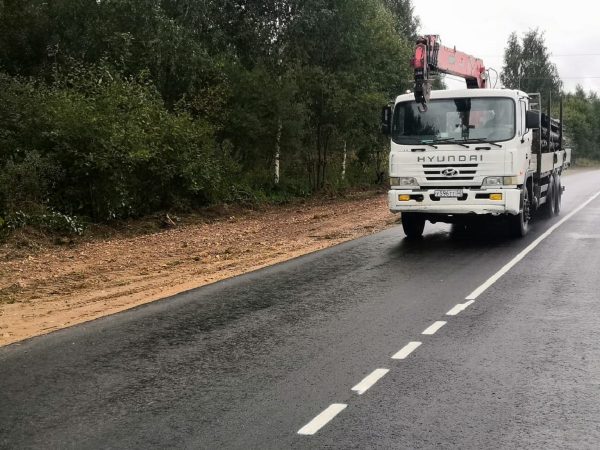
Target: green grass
[(586, 162)]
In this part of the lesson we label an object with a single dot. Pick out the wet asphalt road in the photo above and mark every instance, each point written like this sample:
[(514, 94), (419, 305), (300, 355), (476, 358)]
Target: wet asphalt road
[(247, 362)]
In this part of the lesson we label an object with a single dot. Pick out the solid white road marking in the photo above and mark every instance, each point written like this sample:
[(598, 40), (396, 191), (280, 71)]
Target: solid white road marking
[(369, 381), (459, 308), (322, 419), (406, 350), (431, 329), (477, 292), (335, 408)]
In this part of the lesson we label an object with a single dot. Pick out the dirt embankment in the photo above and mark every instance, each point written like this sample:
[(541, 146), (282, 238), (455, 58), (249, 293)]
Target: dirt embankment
[(56, 286)]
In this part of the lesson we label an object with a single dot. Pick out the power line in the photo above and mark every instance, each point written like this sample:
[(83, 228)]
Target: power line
[(568, 55), (562, 55), (452, 77), (562, 78)]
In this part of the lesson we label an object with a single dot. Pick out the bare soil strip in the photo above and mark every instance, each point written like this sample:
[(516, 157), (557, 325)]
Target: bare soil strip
[(57, 286)]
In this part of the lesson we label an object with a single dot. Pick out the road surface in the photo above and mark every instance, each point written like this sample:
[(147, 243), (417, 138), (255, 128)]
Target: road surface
[(350, 347)]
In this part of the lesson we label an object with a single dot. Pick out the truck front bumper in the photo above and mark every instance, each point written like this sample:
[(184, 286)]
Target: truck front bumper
[(473, 201)]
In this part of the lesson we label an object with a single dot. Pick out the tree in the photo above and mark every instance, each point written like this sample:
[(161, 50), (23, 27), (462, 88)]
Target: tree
[(352, 60), (122, 107), (582, 123), (406, 23), (527, 65)]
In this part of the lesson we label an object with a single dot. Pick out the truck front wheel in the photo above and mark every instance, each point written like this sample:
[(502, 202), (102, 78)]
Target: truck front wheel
[(413, 225), (518, 225)]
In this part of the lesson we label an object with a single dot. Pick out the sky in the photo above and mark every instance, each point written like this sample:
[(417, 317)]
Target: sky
[(481, 29)]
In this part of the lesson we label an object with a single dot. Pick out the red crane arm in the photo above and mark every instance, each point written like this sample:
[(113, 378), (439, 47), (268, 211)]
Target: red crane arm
[(431, 58)]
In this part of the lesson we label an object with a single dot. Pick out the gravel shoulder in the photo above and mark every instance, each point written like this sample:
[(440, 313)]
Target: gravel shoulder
[(53, 287)]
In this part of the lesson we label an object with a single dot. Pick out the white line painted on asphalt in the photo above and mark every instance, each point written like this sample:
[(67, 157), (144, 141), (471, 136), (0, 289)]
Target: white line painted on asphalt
[(406, 350), (322, 419), (431, 329), (477, 292), (369, 381), (459, 308), (454, 311), (335, 408)]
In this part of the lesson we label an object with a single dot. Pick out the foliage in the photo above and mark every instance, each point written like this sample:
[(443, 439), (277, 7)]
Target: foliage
[(97, 144), (51, 221), (582, 122), (527, 65), (117, 108), (405, 22)]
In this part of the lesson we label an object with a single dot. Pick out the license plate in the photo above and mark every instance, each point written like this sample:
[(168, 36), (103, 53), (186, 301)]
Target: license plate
[(448, 193)]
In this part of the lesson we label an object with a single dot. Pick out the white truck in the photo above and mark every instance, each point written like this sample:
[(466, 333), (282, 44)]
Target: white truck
[(457, 155)]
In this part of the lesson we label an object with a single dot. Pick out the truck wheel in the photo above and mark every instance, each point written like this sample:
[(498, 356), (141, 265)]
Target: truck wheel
[(413, 225), (558, 195), (549, 208), (518, 225)]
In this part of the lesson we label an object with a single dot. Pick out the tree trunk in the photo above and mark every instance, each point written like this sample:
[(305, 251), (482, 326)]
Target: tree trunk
[(277, 149), (319, 160), (325, 145), (379, 173), (344, 163)]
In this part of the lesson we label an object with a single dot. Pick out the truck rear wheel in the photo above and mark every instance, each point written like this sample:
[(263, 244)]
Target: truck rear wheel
[(549, 207), (413, 225), (558, 195), (518, 225)]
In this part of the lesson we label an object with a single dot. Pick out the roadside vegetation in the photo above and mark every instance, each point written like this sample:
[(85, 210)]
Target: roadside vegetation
[(118, 109), (115, 109), (527, 66)]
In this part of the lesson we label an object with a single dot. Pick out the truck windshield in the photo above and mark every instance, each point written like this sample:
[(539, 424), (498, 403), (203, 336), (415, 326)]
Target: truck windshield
[(453, 120)]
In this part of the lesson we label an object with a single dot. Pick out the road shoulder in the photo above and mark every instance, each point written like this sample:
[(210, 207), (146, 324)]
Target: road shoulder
[(44, 291)]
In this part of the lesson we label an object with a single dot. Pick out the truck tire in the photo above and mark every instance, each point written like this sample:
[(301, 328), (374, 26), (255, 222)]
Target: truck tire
[(413, 225), (558, 195), (549, 208), (518, 225)]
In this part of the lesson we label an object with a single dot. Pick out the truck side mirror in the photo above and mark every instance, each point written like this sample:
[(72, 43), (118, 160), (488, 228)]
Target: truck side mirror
[(386, 120), (532, 120)]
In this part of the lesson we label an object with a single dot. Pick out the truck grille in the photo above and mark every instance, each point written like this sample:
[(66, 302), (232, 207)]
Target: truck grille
[(464, 172)]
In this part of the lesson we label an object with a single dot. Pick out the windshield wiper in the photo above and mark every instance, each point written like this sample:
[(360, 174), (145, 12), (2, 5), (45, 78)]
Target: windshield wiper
[(482, 141), (428, 142), (449, 141), (442, 141)]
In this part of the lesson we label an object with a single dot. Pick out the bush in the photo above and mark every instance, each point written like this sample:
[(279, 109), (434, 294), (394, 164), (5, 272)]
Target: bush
[(97, 144), (50, 221), (26, 183)]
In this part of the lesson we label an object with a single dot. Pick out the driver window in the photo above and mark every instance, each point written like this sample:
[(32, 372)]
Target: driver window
[(522, 129)]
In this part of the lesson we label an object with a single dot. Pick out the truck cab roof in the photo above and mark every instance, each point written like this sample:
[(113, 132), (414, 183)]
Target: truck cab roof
[(459, 93)]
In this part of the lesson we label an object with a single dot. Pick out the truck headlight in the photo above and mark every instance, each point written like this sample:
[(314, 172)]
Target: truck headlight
[(405, 182), (498, 181), (492, 181)]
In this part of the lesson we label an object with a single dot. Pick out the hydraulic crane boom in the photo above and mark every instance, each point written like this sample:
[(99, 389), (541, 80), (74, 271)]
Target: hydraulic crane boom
[(431, 58)]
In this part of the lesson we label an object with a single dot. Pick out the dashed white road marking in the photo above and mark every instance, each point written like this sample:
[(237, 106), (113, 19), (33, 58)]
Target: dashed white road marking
[(335, 408), (477, 292), (369, 381), (322, 419), (406, 350), (459, 308), (431, 329)]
